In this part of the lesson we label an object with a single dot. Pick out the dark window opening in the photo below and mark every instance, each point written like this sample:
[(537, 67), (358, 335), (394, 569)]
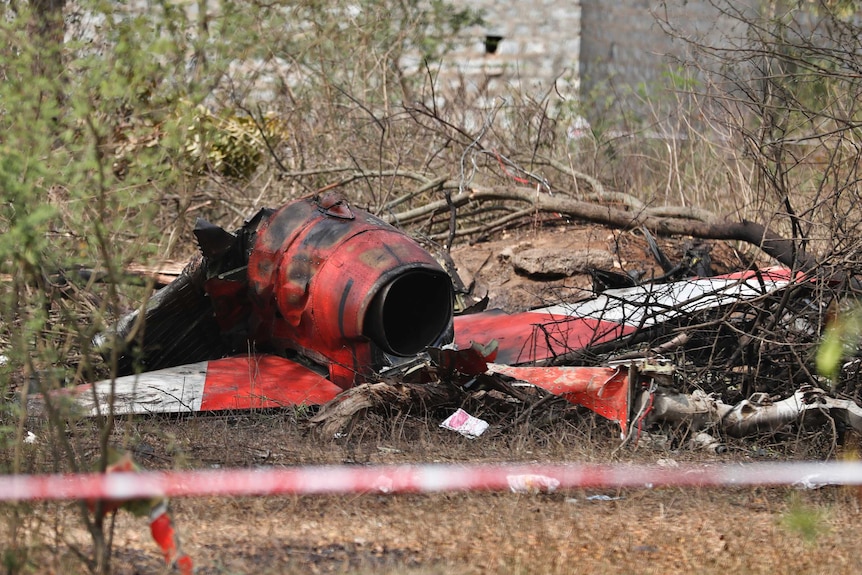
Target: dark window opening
[(492, 43)]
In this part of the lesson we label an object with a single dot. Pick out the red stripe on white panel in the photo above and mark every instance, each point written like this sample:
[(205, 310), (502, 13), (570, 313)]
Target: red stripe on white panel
[(245, 382), (550, 332)]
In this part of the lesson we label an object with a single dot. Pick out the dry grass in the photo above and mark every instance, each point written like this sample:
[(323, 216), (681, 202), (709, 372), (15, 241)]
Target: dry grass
[(752, 530)]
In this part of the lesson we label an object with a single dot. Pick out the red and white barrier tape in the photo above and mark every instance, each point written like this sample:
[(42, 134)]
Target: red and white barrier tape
[(316, 480)]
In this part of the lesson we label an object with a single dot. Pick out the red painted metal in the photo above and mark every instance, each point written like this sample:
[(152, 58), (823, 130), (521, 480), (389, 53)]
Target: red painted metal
[(342, 287), (552, 332), (528, 337), (242, 382), (263, 381), (604, 390)]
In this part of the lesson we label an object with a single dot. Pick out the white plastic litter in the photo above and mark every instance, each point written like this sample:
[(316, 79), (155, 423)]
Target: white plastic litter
[(465, 424)]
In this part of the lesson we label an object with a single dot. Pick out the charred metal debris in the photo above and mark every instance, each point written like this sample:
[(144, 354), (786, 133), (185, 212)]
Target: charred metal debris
[(319, 300)]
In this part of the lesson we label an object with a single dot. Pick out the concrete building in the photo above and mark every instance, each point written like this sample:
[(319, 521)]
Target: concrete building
[(573, 47)]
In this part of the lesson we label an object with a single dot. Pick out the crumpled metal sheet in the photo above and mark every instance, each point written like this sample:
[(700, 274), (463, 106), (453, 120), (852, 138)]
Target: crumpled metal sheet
[(356, 298), (553, 332)]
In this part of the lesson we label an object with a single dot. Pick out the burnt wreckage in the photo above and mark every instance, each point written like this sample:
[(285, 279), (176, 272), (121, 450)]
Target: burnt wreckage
[(315, 279), (317, 297)]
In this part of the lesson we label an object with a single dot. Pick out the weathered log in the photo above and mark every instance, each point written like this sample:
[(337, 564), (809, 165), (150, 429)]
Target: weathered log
[(696, 223)]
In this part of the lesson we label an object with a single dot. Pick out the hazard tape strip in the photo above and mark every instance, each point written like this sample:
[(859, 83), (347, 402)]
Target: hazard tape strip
[(319, 480)]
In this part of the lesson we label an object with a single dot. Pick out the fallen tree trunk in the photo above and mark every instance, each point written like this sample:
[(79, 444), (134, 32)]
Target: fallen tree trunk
[(678, 221)]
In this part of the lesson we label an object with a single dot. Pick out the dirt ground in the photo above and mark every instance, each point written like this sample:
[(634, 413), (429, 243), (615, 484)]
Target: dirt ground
[(674, 530), (752, 530), (496, 267)]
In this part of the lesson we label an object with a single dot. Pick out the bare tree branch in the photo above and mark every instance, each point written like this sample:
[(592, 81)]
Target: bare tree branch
[(663, 221)]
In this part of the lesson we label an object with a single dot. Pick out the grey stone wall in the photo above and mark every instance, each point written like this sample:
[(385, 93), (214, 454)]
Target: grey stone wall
[(579, 44), (539, 45), (625, 43)]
